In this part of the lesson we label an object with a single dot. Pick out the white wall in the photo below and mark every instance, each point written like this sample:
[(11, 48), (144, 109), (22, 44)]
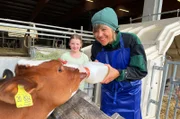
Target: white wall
[(8, 63)]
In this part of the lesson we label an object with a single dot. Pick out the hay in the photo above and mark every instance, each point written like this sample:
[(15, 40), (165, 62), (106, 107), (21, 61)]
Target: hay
[(40, 53), (42, 56), (46, 54), (12, 51), (171, 108)]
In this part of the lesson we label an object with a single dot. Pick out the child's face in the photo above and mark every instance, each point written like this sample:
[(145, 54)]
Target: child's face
[(75, 45)]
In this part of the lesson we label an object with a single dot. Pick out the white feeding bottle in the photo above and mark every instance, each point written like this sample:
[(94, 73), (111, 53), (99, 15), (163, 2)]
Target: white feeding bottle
[(96, 72)]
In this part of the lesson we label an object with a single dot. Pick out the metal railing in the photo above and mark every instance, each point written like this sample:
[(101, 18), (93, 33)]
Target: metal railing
[(150, 15), (43, 29), (175, 82)]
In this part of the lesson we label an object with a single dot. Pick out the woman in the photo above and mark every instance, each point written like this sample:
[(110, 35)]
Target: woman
[(75, 56), (126, 59)]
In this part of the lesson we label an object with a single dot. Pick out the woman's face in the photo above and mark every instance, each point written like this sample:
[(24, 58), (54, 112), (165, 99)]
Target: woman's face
[(75, 45), (103, 34)]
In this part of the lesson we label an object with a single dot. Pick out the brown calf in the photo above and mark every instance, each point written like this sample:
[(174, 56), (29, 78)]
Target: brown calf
[(50, 85)]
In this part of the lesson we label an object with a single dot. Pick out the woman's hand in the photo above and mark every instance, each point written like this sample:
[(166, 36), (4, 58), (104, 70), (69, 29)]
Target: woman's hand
[(112, 74)]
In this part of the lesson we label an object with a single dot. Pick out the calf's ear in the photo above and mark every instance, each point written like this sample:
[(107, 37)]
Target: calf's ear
[(10, 88)]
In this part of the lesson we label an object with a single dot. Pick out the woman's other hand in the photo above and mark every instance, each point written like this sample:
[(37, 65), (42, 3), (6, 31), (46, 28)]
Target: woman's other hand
[(62, 61), (112, 74)]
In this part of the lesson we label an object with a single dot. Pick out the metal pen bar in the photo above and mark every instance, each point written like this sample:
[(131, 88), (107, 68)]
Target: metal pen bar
[(149, 95), (69, 29), (43, 34), (173, 11), (165, 72), (173, 62), (50, 26), (175, 108), (41, 29), (171, 90)]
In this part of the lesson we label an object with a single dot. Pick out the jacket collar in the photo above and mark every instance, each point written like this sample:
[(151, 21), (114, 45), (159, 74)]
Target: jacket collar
[(115, 43)]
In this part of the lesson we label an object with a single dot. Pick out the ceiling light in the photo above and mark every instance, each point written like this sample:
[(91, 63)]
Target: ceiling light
[(123, 10), (178, 0), (89, 0)]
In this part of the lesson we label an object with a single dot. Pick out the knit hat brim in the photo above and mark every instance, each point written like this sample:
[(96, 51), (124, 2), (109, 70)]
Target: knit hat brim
[(106, 16)]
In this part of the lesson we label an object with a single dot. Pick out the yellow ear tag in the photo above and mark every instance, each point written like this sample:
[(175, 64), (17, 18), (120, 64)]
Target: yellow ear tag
[(4, 76), (22, 98)]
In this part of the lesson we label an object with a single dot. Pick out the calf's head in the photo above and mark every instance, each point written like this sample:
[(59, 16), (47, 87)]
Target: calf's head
[(49, 81)]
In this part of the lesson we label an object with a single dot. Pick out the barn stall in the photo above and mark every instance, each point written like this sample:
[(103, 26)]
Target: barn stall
[(158, 39)]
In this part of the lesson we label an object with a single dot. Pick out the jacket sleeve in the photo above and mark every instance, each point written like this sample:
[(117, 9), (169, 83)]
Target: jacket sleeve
[(137, 68)]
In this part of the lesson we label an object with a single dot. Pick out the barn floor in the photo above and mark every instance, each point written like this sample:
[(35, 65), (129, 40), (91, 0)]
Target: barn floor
[(171, 109)]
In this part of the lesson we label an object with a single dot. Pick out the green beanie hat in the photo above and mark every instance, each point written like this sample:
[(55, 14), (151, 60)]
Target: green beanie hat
[(106, 16)]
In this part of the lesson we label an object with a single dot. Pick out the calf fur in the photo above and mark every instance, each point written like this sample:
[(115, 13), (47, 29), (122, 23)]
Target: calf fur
[(50, 85)]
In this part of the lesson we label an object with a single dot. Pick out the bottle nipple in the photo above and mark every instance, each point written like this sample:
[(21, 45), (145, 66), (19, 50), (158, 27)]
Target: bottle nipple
[(87, 71)]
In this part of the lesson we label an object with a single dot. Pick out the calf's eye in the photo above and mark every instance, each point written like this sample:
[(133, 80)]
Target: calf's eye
[(59, 69)]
